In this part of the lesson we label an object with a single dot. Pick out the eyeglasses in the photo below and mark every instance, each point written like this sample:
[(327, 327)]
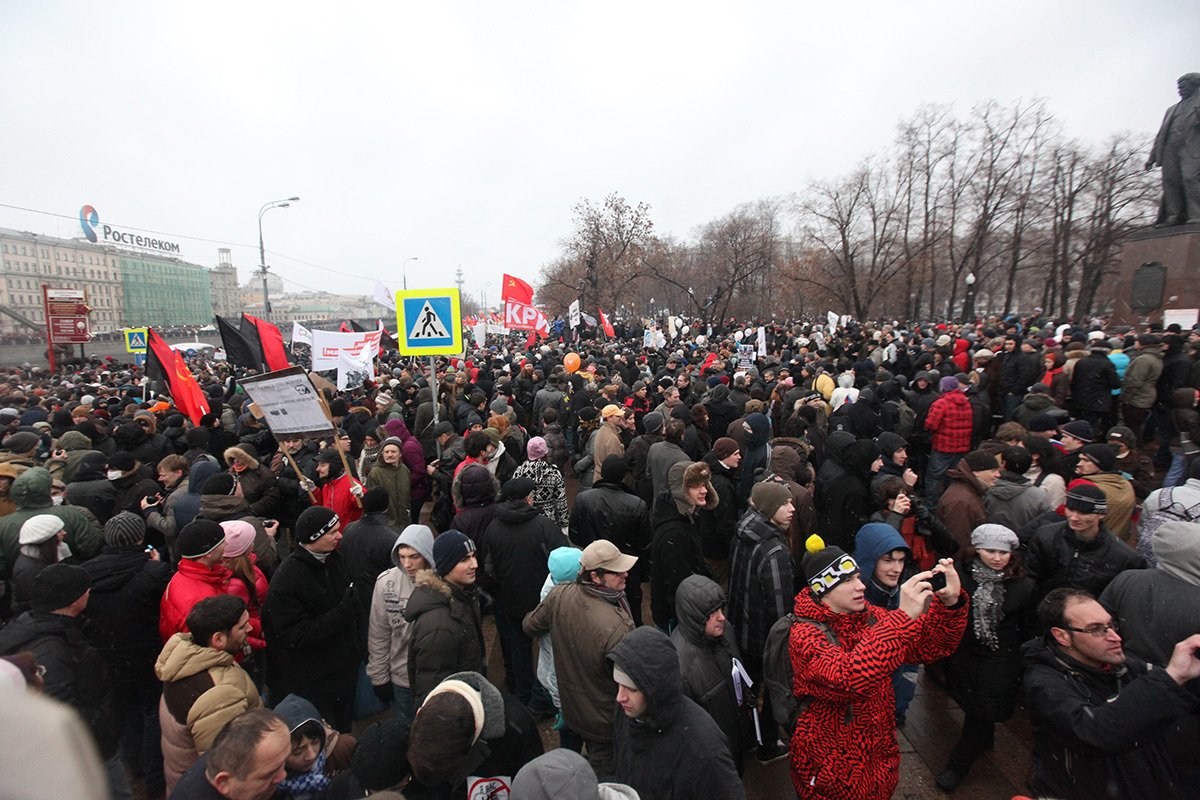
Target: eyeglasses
[(1096, 630)]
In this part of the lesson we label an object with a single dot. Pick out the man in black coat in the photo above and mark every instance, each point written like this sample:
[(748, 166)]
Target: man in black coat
[(367, 549), (1019, 369), (1092, 380), (513, 553), (676, 548), (664, 745), (75, 673), (610, 511), (1099, 714), (717, 526), (128, 581), (311, 618)]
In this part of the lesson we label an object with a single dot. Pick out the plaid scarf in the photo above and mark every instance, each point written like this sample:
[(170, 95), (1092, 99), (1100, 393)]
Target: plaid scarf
[(309, 785)]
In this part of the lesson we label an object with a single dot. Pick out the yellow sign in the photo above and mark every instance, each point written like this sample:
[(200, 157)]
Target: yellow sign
[(135, 340)]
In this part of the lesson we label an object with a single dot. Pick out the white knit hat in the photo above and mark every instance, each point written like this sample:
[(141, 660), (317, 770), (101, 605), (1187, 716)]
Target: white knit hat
[(40, 528)]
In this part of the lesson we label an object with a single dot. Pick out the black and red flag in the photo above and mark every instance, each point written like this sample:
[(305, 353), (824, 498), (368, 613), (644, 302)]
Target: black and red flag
[(238, 350), (269, 341), (168, 366)]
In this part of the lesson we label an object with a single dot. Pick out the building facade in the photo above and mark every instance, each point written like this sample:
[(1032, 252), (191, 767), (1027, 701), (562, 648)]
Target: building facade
[(224, 279)]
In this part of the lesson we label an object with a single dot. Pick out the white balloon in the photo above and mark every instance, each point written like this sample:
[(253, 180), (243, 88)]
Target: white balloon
[(686, 328), (737, 335), (749, 331), (701, 340)]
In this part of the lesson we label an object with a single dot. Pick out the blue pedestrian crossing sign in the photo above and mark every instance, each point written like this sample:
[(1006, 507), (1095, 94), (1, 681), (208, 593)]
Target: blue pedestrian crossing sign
[(135, 340), (429, 322)]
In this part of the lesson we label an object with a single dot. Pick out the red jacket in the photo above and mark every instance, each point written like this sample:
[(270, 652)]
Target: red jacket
[(857, 759), (950, 421), (237, 588), (336, 495), (189, 585)]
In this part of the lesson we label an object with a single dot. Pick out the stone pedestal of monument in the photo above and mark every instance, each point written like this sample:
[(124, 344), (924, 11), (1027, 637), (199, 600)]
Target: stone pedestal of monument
[(1160, 271)]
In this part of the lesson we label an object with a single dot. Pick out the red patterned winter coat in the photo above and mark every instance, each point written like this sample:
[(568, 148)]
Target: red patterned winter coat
[(844, 746)]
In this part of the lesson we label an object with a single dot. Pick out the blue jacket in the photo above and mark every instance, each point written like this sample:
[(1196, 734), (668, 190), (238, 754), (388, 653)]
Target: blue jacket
[(872, 541)]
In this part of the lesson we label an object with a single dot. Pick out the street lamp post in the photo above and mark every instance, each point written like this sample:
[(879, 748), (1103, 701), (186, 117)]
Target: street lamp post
[(404, 270), (969, 303), (262, 252)]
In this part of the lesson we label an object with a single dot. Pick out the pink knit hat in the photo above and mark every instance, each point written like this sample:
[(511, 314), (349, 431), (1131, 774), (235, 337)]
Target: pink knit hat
[(239, 537)]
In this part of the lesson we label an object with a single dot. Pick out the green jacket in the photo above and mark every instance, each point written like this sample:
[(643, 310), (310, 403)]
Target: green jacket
[(398, 482), (1139, 387), (31, 493)]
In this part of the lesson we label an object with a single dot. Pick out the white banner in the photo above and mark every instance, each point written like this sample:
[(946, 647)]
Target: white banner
[(480, 330), (288, 402), (832, 318), (354, 368), (327, 346), (573, 314), (301, 334), (762, 341)]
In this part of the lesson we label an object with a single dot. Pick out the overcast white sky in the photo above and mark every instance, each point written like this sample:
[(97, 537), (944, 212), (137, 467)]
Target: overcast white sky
[(462, 133)]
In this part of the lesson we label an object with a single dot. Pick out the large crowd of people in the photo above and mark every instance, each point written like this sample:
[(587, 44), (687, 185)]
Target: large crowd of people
[(694, 556)]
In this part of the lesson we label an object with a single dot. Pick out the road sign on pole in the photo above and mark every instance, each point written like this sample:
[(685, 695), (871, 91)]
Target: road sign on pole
[(135, 340), (429, 322)]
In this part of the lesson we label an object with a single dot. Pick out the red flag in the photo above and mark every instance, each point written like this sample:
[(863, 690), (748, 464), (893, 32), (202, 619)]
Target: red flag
[(168, 366), (345, 328), (604, 323), (523, 317), (271, 341), (516, 290)]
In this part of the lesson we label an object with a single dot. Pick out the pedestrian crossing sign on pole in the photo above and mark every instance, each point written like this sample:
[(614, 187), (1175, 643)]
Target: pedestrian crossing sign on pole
[(429, 322), (135, 340)]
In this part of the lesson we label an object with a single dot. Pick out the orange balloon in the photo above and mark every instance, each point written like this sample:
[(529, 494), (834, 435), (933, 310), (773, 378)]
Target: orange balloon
[(571, 362)]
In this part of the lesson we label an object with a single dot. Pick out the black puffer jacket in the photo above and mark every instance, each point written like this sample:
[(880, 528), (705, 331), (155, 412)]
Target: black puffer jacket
[(1092, 380), (1100, 734), (311, 624), (513, 556), (985, 682), (127, 586), (75, 671), (447, 633), (675, 751), (706, 664), (1056, 557)]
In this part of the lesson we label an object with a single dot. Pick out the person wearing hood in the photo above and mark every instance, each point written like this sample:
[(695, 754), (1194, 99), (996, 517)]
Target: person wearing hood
[(886, 561), (844, 743), (139, 439), (761, 586), (587, 617), (335, 489), (513, 555), (1038, 401), (1097, 464), (90, 487), (258, 484), (565, 775), (127, 585), (676, 549), (961, 506), (1136, 597), (467, 727), (203, 685), (132, 481), (72, 447), (756, 453), (443, 612), (845, 505), (1011, 500), (392, 475), (1168, 504), (665, 746), (388, 632), (984, 673), (709, 661), (221, 500), (187, 505), (894, 450), (1100, 714), (318, 751), (1079, 552), (475, 492), (31, 493), (950, 422)]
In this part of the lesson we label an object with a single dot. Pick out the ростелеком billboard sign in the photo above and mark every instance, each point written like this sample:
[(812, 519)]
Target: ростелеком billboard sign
[(89, 220)]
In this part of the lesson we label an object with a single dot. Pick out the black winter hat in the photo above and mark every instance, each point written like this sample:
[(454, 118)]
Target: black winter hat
[(200, 537), (122, 460), (517, 488), (1103, 456), (375, 500), (1088, 499), (314, 522), (449, 548), (980, 460), (57, 586), (890, 442), (826, 567), (613, 469), (222, 483), (124, 529)]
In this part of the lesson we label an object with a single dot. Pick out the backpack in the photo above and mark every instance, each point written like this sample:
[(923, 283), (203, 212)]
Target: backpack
[(1168, 510), (778, 675), (906, 418)]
